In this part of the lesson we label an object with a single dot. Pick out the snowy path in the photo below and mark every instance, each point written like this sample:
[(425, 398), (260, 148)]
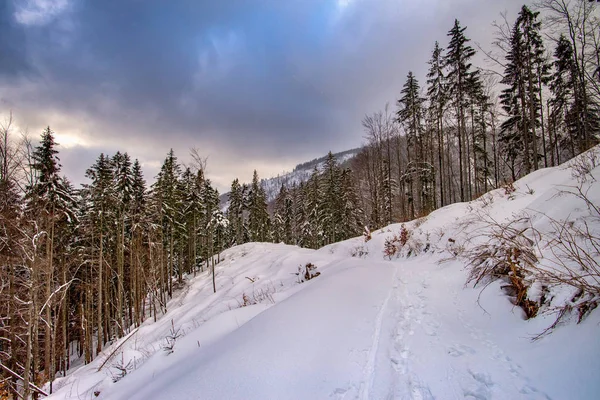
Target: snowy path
[(373, 330), (436, 352), (322, 340)]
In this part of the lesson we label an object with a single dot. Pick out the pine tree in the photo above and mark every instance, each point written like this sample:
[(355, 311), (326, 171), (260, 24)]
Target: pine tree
[(50, 202), (258, 217), (350, 216), (139, 228), (525, 73), (410, 114), (329, 207), (567, 104), (168, 195), (436, 93), (577, 22), (458, 77), (312, 231), (283, 218), (123, 190), (301, 223), (235, 212), (99, 217)]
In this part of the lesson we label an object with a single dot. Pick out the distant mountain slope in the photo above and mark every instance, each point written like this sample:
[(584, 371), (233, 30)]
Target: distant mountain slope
[(301, 173)]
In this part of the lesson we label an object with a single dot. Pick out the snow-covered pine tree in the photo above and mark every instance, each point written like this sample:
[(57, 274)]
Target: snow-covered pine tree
[(210, 203), (301, 223), (478, 152), (15, 273), (191, 209), (258, 216), (351, 223), (235, 213), (123, 189), (51, 204), (312, 231), (168, 195), (139, 248), (410, 115), (277, 218), (577, 21), (99, 219), (329, 206)]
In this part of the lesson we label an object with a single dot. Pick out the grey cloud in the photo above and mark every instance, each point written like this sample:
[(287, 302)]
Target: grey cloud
[(245, 81)]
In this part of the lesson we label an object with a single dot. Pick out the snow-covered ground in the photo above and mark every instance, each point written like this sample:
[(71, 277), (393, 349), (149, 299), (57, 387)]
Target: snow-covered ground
[(369, 326)]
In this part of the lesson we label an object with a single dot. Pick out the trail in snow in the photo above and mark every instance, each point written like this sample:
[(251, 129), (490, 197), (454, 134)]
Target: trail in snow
[(441, 356), (364, 330), (370, 367)]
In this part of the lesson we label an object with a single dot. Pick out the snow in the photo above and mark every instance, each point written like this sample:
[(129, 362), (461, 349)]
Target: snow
[(366, 327)]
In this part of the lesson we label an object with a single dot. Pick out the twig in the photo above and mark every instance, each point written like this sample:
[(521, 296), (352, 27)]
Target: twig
[(110, 356)]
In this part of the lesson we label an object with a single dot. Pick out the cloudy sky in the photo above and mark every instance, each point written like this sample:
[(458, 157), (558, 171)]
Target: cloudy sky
[(259, 84)]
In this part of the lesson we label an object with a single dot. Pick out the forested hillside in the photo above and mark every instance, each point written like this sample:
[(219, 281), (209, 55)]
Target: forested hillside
[(82, 267)]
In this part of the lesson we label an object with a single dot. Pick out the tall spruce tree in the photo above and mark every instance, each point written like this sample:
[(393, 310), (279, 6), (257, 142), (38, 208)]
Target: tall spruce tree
[(258, 217), (235, 212), (168, 197), (437, 96), (458, 78), (50, 202), (410, 115), (525, 73)]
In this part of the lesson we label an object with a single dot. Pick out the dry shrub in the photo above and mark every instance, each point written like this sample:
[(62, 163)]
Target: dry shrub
[(122, 369), (307, 272), (367, 234), (582, 165), (359, 251), (575, 261), (571, 250), (507, 254), (403, 243), (171, 338), (262, 295)]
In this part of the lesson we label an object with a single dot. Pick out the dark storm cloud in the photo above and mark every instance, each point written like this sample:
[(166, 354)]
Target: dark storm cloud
[(12, 43), (254, 80)]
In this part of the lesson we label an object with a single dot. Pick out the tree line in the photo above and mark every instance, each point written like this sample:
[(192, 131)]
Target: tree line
[(471, 129), (81, 267)]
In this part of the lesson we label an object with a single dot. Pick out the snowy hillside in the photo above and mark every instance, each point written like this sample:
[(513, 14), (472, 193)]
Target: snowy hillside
[(301, 173), (387, 318)]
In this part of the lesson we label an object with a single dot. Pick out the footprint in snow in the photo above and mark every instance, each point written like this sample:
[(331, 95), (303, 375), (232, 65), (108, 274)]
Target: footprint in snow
[(459, 350), (481, 387)]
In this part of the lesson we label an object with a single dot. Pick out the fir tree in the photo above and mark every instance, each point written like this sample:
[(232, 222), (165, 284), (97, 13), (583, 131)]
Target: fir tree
[(410, 114), (458, 78), (235, 212), (258, 217), (437, 96), (525, 72)]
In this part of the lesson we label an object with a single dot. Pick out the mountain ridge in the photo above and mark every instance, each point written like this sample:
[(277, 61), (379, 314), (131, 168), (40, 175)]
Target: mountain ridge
[(300, 173)]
